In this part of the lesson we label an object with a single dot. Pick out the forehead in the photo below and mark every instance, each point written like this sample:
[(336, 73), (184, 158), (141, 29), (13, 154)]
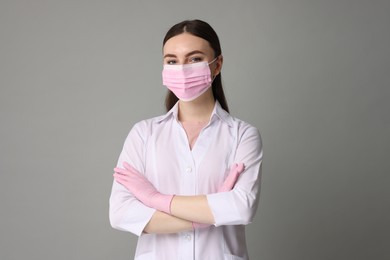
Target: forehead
[(185, 43)]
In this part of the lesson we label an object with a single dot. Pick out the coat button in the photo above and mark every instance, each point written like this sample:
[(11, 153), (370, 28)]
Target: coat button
[(187, 237)]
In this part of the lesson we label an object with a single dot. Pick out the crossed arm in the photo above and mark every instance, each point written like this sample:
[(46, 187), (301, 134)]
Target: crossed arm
[(174, 213), (182, 218)]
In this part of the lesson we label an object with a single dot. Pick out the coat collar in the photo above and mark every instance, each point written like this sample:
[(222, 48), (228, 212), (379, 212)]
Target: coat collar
[(218, 113)]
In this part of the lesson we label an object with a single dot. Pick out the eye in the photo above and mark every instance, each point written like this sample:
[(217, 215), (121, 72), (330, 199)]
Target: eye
[(196, 59), (170, 62)]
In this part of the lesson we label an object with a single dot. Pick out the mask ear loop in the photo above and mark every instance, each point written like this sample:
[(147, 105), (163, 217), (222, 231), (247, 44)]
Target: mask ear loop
[(213, 60), (216, 58)]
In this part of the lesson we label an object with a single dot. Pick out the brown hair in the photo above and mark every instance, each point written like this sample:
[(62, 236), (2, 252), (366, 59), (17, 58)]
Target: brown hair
[(205, 31)]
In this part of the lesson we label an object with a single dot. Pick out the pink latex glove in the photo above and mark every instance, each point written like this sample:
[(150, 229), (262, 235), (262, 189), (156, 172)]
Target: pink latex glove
[(227, 185), (142, 189), (235, 170)]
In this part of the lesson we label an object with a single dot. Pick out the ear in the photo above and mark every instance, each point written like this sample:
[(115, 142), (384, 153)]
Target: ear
[(218, 66)]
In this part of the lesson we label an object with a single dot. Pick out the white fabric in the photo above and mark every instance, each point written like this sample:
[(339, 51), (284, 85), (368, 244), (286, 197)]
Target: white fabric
[(159, 149)]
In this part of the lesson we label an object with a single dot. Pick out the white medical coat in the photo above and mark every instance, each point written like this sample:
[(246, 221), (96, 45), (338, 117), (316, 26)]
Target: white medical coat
[(159, 149)]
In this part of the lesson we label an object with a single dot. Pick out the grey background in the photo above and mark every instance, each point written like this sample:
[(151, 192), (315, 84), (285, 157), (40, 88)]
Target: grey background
[(312, 75)]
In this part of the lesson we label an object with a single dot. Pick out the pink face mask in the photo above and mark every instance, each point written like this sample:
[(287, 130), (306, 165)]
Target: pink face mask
[(187, 81)]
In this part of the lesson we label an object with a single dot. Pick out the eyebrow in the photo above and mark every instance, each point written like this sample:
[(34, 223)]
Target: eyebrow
[(187, 55)]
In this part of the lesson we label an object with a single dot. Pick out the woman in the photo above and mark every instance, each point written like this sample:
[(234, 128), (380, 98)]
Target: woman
[(188, 182)]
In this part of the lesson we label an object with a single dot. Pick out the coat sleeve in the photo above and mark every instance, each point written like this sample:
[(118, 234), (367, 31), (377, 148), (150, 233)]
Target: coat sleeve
[(239, 206), (126, 213)]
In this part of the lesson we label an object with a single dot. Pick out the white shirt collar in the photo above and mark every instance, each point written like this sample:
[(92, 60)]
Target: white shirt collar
[(218, 113)]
